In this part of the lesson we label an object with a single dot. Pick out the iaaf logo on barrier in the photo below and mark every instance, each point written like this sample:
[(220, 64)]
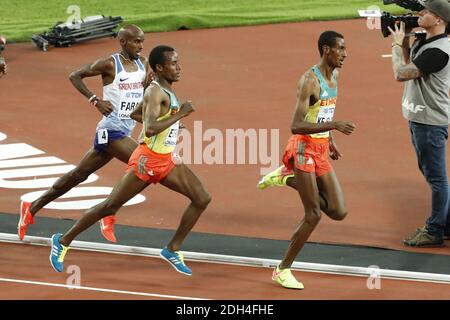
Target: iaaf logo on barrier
[(23, 167)]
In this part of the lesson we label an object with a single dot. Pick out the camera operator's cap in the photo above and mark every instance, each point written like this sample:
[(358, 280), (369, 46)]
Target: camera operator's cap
[(439, 7)]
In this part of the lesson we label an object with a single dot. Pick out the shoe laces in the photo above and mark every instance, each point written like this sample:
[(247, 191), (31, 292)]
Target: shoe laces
[(180, 256), (284, 274), (62, 254)]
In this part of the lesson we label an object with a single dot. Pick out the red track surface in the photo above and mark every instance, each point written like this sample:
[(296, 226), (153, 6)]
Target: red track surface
[(237, 78), (210, 281)]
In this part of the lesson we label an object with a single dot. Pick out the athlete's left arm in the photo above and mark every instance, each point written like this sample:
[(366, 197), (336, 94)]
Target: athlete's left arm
[(335, 154)]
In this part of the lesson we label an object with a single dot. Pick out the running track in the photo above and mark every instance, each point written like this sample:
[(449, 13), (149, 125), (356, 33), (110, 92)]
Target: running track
[(237, 78)]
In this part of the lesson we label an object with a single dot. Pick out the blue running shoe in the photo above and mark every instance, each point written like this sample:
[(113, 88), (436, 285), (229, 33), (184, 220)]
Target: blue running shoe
[(176, 260), (57, 253)]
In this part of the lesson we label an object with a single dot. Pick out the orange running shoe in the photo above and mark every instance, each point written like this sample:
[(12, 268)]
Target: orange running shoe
[(107, 228), (25, 219)]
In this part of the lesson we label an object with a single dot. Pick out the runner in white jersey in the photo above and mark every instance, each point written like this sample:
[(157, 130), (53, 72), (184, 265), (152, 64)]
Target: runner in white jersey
[(124, 76)]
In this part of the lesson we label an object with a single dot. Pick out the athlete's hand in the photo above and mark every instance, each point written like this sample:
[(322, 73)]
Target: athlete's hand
[(345, 127), (105, 107), (335, 154), (186, 108)]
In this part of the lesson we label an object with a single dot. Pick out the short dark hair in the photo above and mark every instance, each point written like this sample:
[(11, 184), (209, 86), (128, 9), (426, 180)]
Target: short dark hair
[(328, 38), (157, 56)]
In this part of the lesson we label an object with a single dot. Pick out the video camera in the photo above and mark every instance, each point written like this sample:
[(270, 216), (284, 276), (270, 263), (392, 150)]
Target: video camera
[(411, 21)]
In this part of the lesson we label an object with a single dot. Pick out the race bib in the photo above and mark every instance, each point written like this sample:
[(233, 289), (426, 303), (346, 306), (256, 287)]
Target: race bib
[(126, 108), (325, 114), (130, 97), (172, 135), (102, 136)]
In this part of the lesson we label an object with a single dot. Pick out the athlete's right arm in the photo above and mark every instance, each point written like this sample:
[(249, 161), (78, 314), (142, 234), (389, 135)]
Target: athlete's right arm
[(103, 67), (153, 99), (309, 89)]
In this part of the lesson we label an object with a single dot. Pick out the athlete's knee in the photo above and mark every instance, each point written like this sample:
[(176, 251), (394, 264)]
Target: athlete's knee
[(313, 216), (202, 200), (205, 199), (338, 213), (78, 175)]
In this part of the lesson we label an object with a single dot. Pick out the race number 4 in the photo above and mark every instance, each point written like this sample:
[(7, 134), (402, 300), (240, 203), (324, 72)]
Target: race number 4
[(102, 136)]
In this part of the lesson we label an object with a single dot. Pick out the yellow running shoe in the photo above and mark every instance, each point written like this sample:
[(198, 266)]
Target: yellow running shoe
[(277, 177), (286, 279)]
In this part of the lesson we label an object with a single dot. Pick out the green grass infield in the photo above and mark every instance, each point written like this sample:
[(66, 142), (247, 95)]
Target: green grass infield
[(20, 19)]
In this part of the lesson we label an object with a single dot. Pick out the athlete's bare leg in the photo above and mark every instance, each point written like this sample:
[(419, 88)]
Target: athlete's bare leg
[(291, 183), (332, 196), (182, 180), (324, 201), (92, 161), (122, 149), (311, 191), (129, 186)]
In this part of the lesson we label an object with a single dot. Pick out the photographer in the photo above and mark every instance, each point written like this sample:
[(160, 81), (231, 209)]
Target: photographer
[(425, 68), (3, 67)]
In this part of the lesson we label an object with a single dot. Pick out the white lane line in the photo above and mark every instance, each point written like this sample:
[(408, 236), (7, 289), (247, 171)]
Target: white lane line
[(239, 260), (49, 284)]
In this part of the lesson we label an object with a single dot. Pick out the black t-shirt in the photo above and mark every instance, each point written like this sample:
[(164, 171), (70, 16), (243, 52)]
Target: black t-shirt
[(431, 60)]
